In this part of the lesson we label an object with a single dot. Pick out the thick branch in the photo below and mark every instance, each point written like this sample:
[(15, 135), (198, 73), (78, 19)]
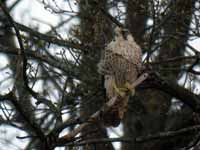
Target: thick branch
[(139, 139), (51, 39), (12, 98), (187, 97)]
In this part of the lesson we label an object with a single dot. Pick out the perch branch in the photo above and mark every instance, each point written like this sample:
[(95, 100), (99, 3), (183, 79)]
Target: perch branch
[(97, 115)]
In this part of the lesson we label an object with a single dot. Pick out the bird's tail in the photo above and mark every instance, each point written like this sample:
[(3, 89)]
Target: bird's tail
[(114, 115)]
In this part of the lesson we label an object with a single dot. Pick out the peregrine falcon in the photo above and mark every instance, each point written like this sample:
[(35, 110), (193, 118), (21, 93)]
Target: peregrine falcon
[(120, 65)]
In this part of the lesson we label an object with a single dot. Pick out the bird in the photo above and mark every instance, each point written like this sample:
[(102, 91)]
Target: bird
[(120, 64)]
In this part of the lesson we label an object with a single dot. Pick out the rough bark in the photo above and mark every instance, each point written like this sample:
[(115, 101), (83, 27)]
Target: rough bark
[(94, 31), (153, 104)]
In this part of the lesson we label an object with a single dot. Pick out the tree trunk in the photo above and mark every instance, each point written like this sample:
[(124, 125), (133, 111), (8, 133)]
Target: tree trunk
[(94, 31), (148, 113)]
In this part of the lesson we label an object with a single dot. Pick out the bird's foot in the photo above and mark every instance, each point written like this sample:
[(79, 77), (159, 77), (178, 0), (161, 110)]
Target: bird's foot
[(129, 88), (119, 91)]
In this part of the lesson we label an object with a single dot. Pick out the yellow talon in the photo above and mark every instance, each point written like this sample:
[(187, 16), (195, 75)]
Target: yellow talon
[(120, 91), (129, 88)]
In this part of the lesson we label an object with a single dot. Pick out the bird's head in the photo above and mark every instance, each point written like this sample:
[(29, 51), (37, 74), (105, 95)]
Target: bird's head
[(121, 32)]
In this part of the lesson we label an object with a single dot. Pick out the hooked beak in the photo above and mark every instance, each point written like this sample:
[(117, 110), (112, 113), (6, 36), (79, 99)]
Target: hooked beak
[(125, 33)]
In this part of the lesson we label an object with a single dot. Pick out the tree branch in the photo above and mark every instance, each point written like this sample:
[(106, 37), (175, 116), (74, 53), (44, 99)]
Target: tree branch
[(39, 56), (52, 39), (96, 117), (140, 139), (187, 97), (12, 98)]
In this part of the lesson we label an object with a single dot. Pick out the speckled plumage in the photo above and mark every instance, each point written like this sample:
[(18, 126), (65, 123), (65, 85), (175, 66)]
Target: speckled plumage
[(120, 64)]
